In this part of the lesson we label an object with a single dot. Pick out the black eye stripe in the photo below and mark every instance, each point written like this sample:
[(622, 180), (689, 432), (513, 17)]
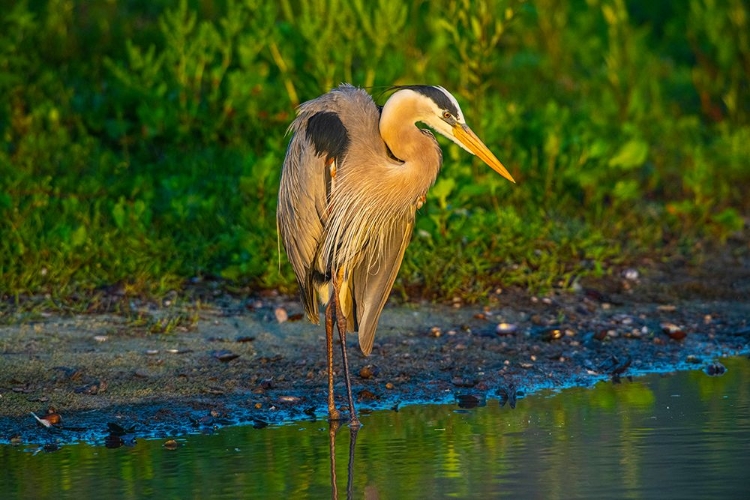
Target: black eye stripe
[(437, 96)]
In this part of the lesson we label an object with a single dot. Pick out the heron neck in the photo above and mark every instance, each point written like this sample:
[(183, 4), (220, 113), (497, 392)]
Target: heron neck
[(418, 150)]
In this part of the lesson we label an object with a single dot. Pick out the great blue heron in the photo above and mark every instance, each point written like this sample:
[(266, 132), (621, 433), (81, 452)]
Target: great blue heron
[(353, 178)]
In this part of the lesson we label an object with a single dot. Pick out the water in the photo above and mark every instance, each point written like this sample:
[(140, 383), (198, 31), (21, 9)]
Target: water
[(685, 435)]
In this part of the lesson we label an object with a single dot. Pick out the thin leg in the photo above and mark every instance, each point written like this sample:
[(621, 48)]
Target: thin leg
[(341, 324), (333, 413)]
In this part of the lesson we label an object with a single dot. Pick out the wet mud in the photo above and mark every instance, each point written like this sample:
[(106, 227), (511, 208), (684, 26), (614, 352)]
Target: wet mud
[(108, 378)]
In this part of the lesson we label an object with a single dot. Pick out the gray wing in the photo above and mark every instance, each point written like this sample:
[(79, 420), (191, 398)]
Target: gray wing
[(371, 285), (300, 216), (319, 139)]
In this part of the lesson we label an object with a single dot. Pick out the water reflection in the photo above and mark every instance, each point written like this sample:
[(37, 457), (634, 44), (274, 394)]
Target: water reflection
[(333, 428), (684, 435)]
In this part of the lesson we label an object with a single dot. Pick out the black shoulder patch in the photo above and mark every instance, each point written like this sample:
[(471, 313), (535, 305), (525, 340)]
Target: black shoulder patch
[(435, 94), (328, 134)]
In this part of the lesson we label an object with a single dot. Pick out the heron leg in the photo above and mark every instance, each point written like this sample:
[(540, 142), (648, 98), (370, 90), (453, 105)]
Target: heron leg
[(333, 413), (341, 324)]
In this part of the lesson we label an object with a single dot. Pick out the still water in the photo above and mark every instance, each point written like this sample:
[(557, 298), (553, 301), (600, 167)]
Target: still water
[(683, 435)]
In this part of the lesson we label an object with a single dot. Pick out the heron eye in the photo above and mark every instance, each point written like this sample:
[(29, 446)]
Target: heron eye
[(447, 115)]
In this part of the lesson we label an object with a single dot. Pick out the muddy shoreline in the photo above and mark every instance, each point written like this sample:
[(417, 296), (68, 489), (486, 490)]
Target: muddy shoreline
[(234, 362)]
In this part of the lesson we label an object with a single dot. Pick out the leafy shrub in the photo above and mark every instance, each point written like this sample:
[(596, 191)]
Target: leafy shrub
[(142, 141)]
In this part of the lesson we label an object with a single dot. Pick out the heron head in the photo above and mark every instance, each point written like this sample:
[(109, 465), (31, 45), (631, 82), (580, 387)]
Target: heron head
[(439, 110)]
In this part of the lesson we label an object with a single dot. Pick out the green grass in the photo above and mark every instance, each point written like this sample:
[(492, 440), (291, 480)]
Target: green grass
[(141, 142)]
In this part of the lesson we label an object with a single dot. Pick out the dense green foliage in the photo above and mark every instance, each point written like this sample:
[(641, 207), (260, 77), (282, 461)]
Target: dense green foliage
[(141, 141)]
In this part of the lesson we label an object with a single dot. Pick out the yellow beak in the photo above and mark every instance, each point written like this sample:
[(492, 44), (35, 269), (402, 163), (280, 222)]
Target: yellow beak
[(474, 144)]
